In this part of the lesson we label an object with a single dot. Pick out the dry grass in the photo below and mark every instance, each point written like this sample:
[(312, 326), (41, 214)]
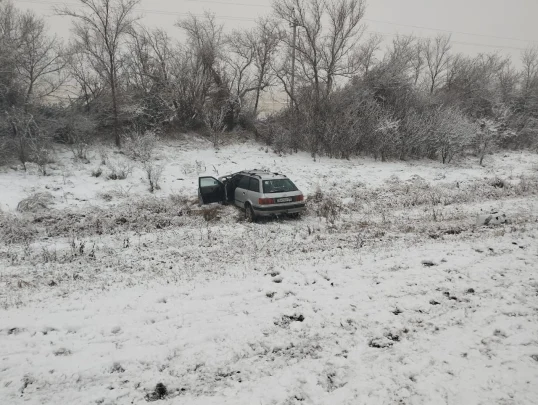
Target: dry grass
[(119, 170), (145, 215), (14, 229), (35, 202), (400, 195)]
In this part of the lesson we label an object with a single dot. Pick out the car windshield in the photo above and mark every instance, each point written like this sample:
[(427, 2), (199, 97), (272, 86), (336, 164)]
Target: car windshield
[(278, 186)]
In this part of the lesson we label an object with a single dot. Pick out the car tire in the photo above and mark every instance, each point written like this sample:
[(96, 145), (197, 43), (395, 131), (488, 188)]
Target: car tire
[(250, 216)]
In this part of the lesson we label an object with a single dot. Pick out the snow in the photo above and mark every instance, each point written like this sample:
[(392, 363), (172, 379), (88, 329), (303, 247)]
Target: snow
[(280, 312), (71, 183)]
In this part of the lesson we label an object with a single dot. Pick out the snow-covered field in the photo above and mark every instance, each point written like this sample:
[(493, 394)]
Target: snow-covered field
[(386, 292), (71, 182)]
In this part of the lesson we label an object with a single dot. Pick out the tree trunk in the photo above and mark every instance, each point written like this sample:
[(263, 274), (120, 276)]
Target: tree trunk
[(258, 90), (117, 138)]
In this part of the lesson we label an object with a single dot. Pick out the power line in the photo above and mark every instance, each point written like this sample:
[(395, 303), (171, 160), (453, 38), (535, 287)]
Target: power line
[(450, 31), (228, 3), (149, 11), (380, 21), (235, 18), (451, 41)]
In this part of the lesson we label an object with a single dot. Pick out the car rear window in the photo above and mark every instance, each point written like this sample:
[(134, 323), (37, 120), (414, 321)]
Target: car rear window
[(278, 186)]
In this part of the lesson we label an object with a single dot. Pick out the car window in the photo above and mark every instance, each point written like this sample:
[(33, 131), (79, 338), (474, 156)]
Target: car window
[(236, 179), (254, 185), (278, 186), (243, 183), (208, 182)]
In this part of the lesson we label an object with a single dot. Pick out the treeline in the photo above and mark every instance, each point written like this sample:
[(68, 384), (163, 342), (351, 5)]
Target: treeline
[(350, 94)]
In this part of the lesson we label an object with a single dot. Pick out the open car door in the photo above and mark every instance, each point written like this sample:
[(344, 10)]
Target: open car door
[(210, 190)]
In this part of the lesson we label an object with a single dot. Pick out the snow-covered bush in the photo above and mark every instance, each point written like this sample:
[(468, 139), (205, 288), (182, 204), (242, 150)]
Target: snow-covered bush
[(492, 133), (27, 140), (77, 131), (453, 132), (139, 146), (97, 172), (153, 174), (119, 169), (325, 207), (386, 137), (35, 202), (416, 129), (14, 229)]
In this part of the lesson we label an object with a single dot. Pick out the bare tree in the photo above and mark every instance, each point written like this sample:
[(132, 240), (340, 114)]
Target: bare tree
[(366, 51), (436, 53), (100, 28), (324, 54), (10, 40), (149, 58), (148, 76), (529, 59), (403, 54), (418, 62), (239, 59), (40, 60), (344, 31), (215, 122), (487, 137), (529, 85), (508, 81), (91, 84), (203, 59), (265, 39)]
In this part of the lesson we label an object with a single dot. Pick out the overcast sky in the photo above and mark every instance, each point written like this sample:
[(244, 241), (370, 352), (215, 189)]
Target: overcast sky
[(506, 26)]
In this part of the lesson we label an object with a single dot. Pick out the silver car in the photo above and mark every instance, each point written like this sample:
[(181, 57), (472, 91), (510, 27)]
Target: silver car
[(260, 193)]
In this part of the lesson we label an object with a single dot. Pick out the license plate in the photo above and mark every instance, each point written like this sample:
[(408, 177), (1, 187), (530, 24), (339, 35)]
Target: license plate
[(283, 200)]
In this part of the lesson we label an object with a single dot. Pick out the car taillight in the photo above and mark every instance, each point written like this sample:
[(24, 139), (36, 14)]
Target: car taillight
[(266, 201), (299, 198)]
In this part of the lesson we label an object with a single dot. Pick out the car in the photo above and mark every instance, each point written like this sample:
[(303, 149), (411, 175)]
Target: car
[(259, 192)]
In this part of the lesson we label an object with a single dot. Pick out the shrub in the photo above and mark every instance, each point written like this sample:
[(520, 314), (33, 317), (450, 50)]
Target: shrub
[(117, 368), (35, 202), (140, 146), (15, 230), (452, 133), (318, 195), (211, 213), (325, 207), (80, 151), (330, 210), (97, 172), (119, 170), (5, 150), (498, 183), (103, 154), (153, 173)]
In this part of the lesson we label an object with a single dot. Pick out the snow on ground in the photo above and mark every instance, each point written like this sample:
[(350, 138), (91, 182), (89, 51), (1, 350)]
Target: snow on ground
[(71, 183), (386, 304)]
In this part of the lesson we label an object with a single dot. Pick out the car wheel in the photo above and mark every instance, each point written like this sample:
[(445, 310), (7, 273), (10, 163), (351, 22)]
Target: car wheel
[(249, 214)]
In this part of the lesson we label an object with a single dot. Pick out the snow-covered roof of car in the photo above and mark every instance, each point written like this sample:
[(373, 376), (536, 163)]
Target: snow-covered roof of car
[(264, 174)]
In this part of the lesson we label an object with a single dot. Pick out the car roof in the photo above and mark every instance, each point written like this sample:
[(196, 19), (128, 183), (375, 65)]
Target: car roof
[(262, 174)]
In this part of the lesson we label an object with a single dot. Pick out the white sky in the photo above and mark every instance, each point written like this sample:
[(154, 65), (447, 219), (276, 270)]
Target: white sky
[(503, 26), (507, 24)]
